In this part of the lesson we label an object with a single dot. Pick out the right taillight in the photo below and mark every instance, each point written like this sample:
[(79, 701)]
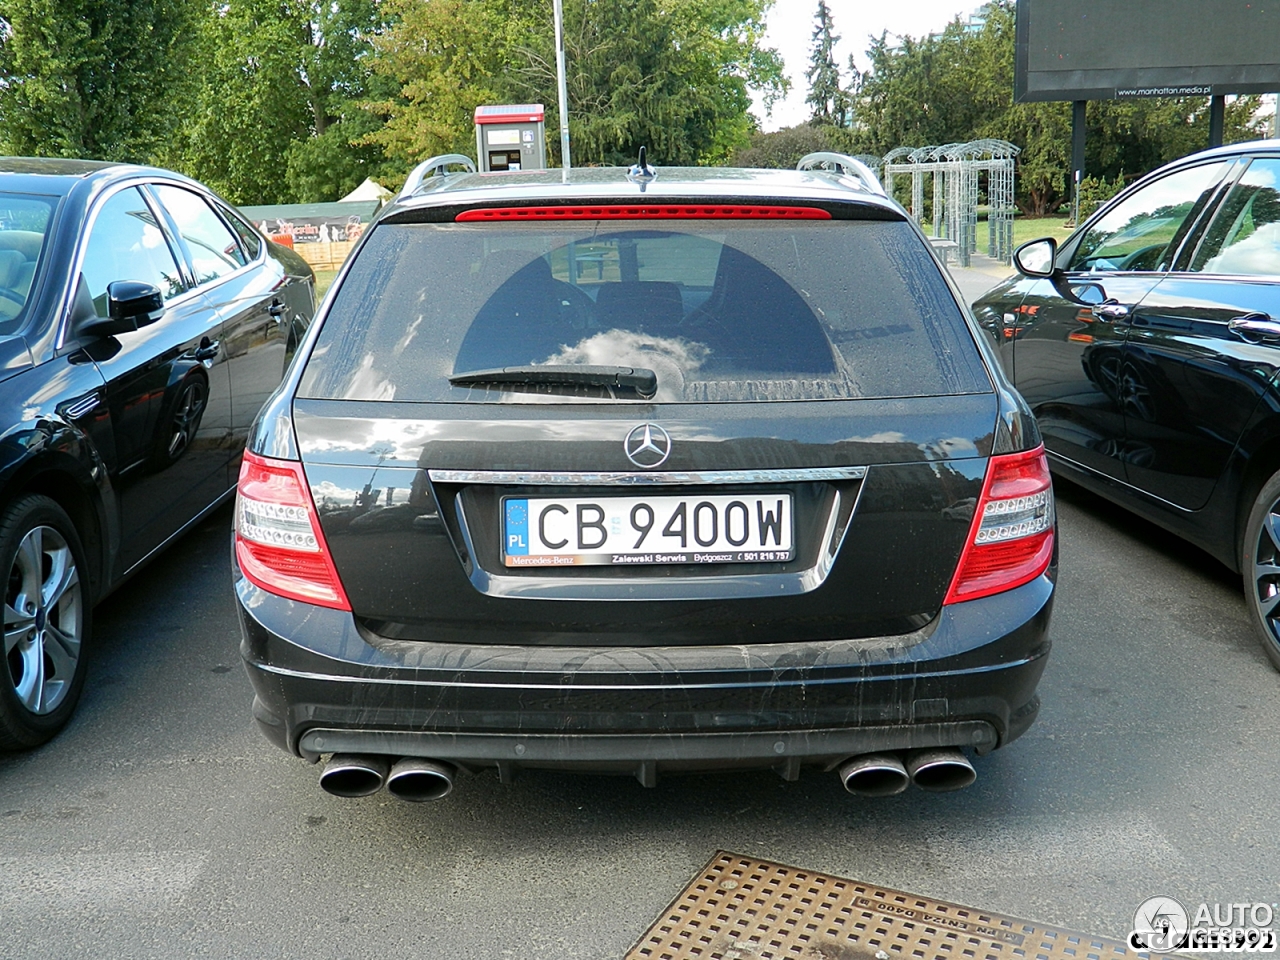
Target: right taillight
[(279, 545), (1011, 540)]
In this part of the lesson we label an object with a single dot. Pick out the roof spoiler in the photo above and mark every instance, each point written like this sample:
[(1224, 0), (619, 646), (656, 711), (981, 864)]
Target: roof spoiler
[(842, 165), (436, 166)]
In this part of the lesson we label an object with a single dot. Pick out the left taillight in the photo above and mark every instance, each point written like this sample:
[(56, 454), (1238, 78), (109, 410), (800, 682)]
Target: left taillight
[(279, 544)]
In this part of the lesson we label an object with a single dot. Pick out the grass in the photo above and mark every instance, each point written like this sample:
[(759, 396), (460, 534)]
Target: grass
[(1033, 228), (324, 280), (1024, 229)]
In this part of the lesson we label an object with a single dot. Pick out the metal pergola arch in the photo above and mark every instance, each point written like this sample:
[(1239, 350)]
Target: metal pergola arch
[(956, 169)]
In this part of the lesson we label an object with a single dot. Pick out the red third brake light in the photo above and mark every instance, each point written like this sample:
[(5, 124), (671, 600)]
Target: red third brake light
[(641, 211), (1011, 540), (279, 545)]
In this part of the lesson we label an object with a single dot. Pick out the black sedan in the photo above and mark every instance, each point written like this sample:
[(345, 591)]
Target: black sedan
[(1148, 346), (143, 322)]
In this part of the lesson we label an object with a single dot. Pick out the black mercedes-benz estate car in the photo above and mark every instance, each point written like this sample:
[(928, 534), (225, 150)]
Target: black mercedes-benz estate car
[(142, 324), (1148, 346), (643, 471)]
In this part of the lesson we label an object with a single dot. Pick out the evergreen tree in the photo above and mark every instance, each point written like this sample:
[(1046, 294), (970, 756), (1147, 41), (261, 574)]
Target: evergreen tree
[(100, 79), (827, 96)]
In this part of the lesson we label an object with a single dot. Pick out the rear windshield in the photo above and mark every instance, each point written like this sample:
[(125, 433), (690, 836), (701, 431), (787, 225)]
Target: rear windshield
[(720, 313), (24, 218)]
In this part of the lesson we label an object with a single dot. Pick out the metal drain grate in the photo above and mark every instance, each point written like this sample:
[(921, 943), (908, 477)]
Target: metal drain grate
[(738, 908)]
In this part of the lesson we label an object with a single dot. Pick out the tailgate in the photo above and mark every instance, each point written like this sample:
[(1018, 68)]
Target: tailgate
[(860, 509)]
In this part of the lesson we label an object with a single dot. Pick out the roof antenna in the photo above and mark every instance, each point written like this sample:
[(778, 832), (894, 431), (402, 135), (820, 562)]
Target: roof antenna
[(642, 173)]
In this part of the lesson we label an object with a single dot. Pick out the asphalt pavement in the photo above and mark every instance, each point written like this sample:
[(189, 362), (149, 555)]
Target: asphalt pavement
[(161, 824), (981, 275)]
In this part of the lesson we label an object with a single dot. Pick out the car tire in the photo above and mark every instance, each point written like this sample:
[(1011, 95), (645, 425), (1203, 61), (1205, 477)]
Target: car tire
[(1260, 566), (47, 616)]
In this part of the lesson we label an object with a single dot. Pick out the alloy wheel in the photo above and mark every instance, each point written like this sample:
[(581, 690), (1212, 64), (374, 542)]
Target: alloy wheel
[(186, 417), (43, 620), (1266, 574), (1135, 395)]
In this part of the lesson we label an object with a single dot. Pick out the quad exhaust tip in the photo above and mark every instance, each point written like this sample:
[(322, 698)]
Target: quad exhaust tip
[(874, 775), (418, 780), (354, 774), (886, 774), (940, 769), (410, 778)]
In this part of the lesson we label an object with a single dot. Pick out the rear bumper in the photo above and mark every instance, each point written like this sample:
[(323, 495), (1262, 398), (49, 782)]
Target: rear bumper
[(967, 679)]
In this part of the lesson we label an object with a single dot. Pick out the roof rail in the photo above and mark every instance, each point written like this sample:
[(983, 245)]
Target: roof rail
[(844, 165), (429, 168)]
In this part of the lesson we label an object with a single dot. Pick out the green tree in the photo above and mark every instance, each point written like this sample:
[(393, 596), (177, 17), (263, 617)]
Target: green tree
[(1043, 132), (441, 60), (782, 149), (827, 95), (101, 79), (958, 85), (277, 119), (673, 75), (926, 91)]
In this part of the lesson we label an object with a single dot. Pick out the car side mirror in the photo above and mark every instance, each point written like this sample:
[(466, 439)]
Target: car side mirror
[(131, 305), (1036, 259), (134, 301)]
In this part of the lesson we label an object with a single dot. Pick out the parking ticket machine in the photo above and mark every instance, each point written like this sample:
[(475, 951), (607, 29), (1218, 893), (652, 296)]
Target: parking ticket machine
[(511, 137)]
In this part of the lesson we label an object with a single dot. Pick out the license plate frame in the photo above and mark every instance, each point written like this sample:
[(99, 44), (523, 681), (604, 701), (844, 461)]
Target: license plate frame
[(648, 530)]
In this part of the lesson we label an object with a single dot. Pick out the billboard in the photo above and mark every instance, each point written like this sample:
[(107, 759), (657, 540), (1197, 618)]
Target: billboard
[(314, 222), (1102, 49)]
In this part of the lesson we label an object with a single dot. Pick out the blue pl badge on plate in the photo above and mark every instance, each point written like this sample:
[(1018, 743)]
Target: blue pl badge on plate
[(517, 532)]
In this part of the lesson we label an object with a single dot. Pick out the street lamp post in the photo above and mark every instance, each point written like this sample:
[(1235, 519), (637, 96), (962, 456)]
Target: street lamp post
[(563, 89)]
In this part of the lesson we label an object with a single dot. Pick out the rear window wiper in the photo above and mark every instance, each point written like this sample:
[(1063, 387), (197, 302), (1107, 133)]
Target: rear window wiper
[(640, 379)]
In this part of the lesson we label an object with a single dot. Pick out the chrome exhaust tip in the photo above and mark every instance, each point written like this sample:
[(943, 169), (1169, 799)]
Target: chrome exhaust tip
[(940, 769), (354, 774), (874, 775), (418, 780)]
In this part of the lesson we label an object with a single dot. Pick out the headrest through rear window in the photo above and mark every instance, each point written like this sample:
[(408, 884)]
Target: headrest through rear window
[(11, 263), (649, 306)]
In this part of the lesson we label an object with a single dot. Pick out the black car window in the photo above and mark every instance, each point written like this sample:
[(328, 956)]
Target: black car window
[(1244, 238), (738, 312), (23, 221), (1144, 230), (247, 234), (126, 243), (213, 248)]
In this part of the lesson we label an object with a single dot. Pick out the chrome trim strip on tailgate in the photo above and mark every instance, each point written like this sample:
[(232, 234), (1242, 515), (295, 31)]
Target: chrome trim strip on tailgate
[(549, 479)]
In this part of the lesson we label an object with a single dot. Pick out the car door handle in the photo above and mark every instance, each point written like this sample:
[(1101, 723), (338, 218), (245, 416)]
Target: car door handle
[(1254, 327), (277, 310), (1111, 310), (207, 350)]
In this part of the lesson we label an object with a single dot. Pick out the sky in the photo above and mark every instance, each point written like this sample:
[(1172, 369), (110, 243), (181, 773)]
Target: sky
[(790, 30)]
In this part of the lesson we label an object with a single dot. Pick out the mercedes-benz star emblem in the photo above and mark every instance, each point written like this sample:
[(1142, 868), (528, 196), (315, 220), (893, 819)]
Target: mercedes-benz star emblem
[(647, 446)]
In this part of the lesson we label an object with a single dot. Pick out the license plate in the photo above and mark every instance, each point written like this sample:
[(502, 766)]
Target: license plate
[(734, 528)]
